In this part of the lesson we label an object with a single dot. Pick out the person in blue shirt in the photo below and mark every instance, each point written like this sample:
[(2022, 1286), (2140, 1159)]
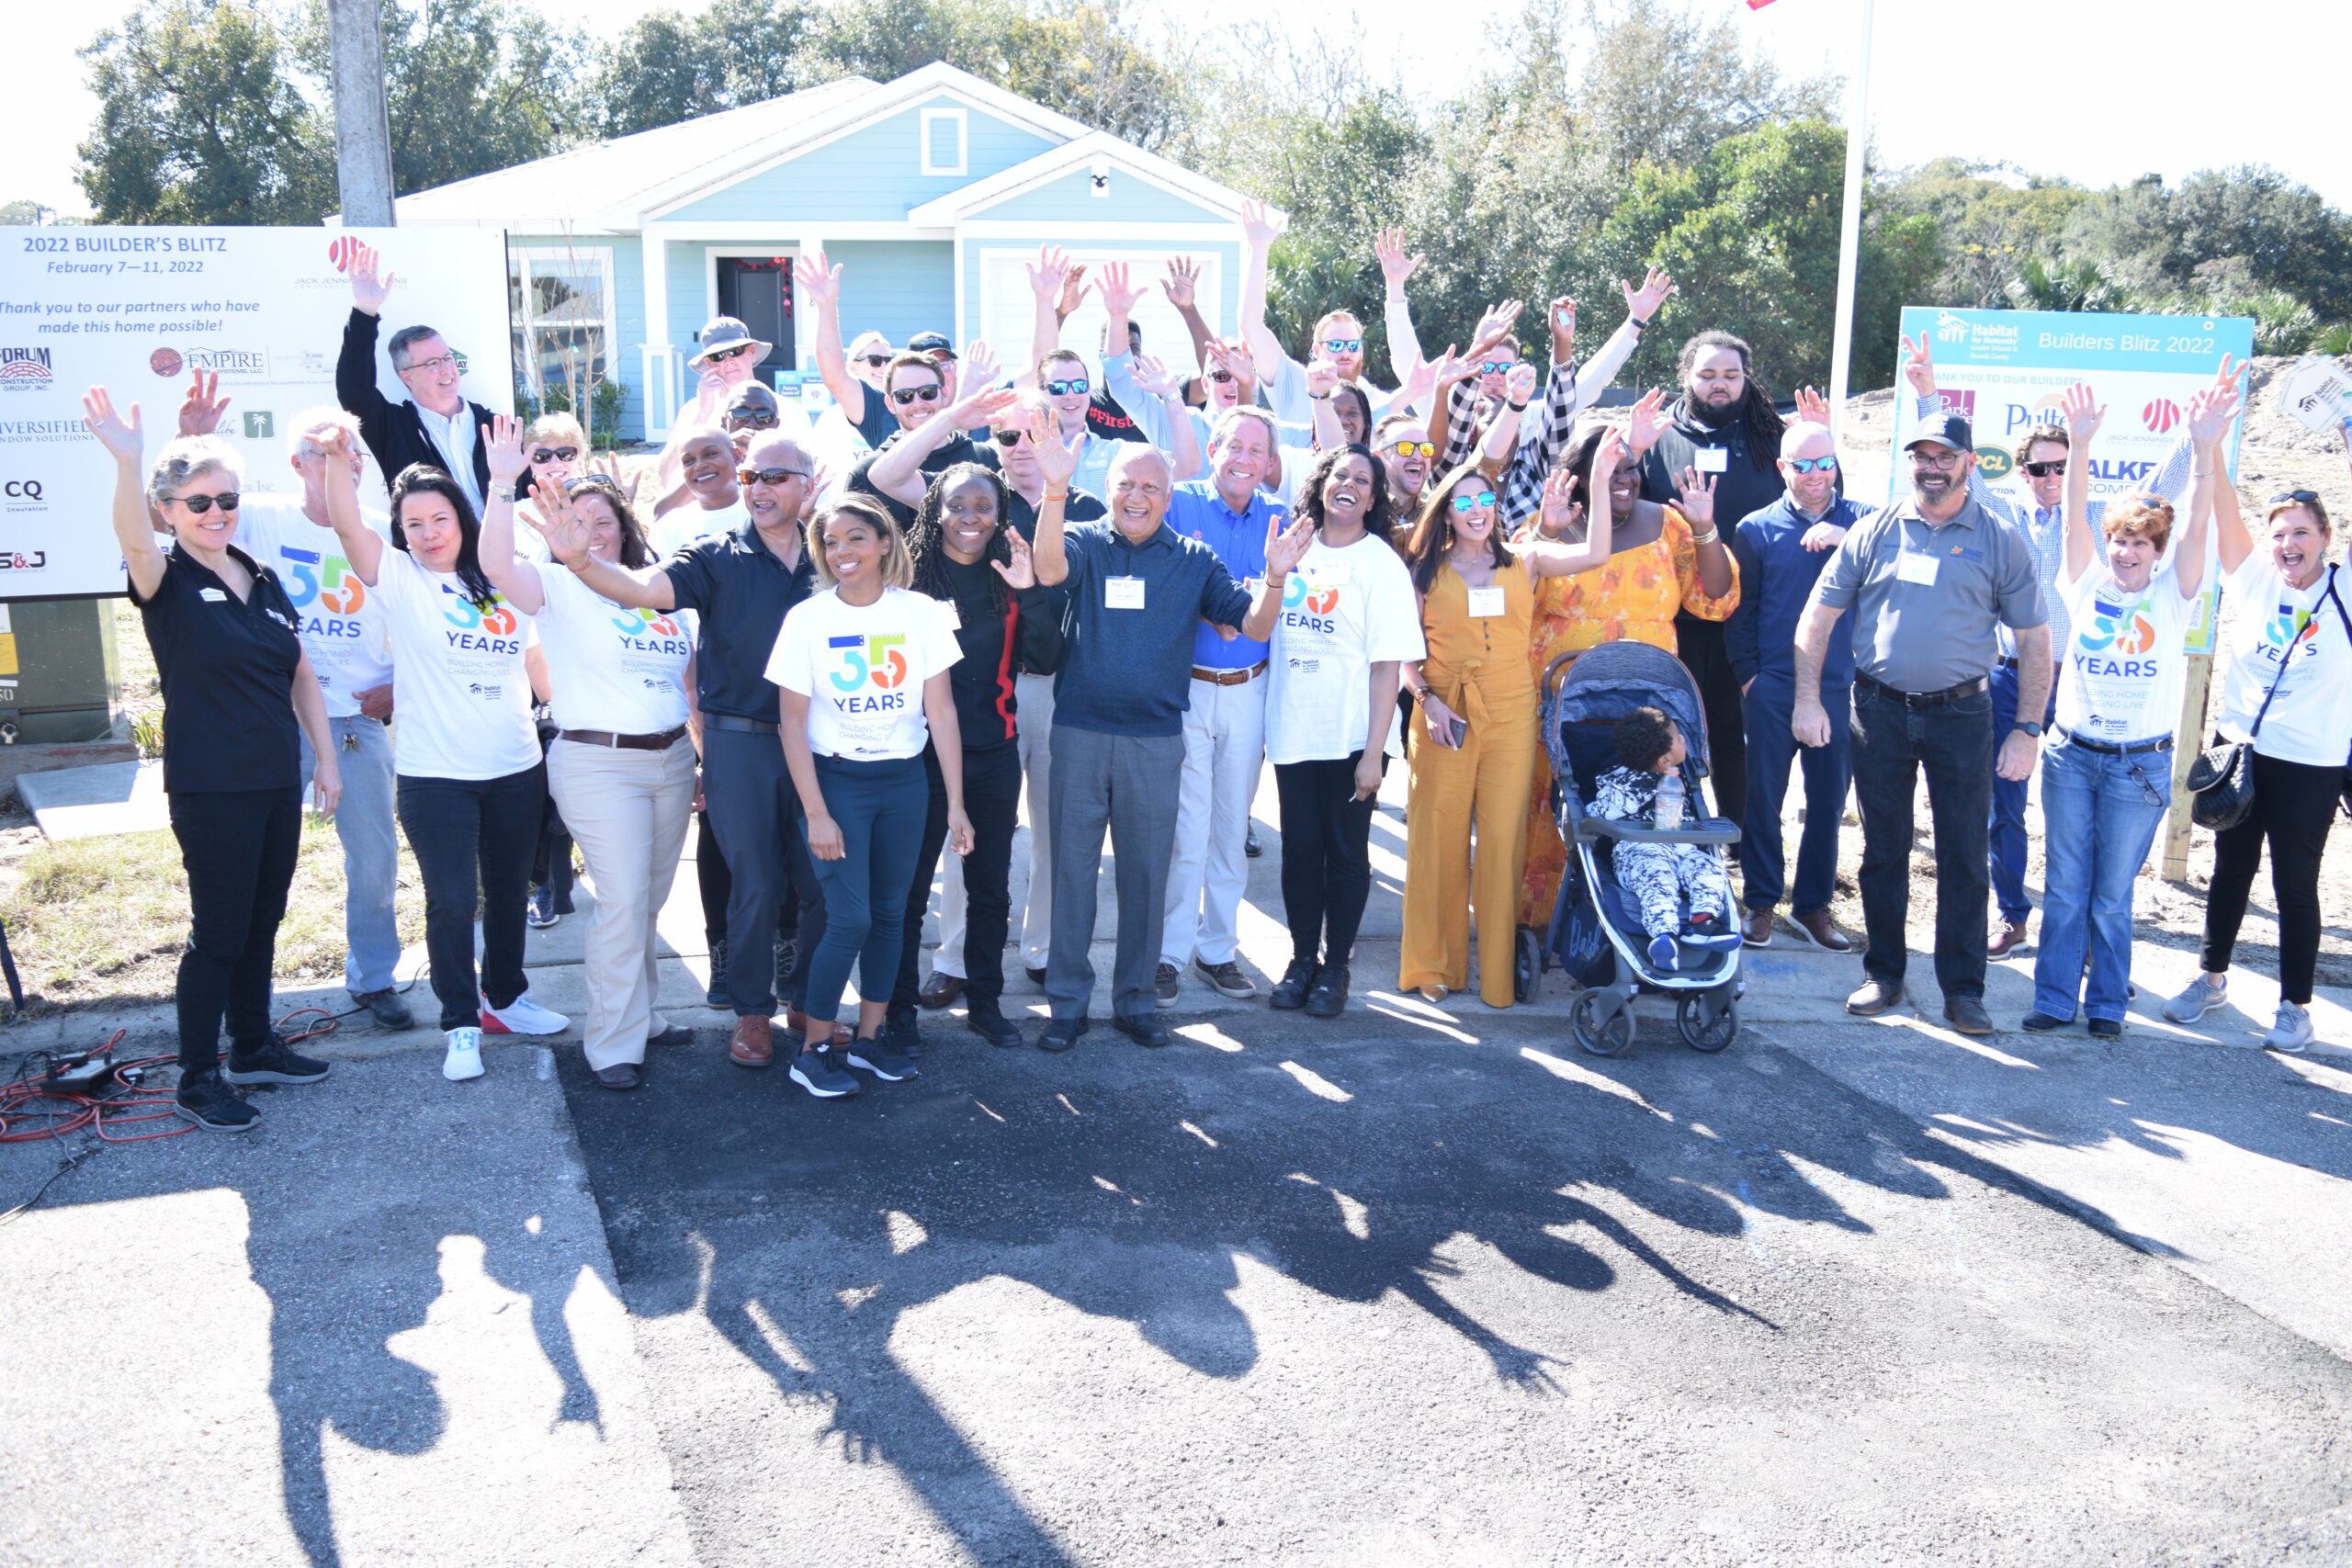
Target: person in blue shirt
[(1781, 549), (1138, 592)]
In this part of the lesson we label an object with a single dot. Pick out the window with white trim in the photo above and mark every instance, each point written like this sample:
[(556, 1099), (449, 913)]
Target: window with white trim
[(560, 303), (945, 139)]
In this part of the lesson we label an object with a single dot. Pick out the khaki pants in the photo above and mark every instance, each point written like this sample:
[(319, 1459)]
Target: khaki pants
[(1486, 782), (627, 811)]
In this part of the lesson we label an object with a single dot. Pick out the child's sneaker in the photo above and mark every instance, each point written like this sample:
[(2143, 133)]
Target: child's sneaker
[(1664, 954), (1711, 932)]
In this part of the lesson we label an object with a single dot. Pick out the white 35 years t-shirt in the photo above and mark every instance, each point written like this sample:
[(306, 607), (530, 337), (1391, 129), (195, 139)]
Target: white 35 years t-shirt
[(609, 667), (2124, 661), (343, 626), (1343, 611), (2310, 719), (863, 670), (464, 702)]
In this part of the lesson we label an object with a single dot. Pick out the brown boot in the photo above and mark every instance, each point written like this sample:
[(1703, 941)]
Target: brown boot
[(755, 1044), (1816, 925), (941, 990), (2007, 938), (1755, 928)]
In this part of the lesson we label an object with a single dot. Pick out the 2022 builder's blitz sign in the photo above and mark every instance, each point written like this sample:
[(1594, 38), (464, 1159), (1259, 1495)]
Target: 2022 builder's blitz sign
[(136, 310)]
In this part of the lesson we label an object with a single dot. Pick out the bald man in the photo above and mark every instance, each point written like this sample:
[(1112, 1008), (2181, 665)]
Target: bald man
[(1780, 549)]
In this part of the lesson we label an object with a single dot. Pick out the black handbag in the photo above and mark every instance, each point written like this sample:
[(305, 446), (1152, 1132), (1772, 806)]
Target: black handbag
[(2221, 782)]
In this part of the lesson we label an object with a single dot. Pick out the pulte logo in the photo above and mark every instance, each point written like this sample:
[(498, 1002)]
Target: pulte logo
[(23, 369)]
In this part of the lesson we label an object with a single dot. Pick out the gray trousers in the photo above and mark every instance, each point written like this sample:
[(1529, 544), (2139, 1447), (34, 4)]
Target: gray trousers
[(1128, 783)]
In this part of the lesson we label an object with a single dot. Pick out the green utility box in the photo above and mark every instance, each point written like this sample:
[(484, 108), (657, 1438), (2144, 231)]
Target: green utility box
[(57, 670)]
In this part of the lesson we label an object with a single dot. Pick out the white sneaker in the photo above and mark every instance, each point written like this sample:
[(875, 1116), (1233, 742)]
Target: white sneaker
[(464, 1060), (2291, 1032), (522, 1016), (2195, 999)]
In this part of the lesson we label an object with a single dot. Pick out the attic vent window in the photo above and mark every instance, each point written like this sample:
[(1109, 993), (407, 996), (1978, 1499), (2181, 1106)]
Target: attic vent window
[(1101, 176), (944, 142)]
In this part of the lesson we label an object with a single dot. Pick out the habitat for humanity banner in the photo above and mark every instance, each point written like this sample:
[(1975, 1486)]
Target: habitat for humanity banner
[(2004, 370), (139, 310)]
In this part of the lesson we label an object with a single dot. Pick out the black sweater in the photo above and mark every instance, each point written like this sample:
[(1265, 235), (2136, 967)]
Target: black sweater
[(1026, 635)]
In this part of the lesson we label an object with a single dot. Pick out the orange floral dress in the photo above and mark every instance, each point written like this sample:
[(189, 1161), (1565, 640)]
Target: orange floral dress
[(1634, 594)]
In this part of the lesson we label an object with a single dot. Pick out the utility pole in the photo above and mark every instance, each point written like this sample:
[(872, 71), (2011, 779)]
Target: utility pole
[(1850, 238), (363, 126)]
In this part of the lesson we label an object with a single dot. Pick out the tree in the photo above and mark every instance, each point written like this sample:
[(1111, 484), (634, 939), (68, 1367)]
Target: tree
[(2078, 285), (667, 68), (1987, 227), (2155, 240), (199, 123)]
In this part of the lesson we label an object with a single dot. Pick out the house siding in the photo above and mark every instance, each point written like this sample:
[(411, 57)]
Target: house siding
[(896, 288), (1071, 199), (871, 175)]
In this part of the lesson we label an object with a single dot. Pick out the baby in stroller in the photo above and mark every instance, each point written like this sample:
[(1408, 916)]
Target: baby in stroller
[(1661, 877)]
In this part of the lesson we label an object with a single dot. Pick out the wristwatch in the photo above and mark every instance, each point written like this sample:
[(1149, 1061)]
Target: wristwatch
[(2030, 728)]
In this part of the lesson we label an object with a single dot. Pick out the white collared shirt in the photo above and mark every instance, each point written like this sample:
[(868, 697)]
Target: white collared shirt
[(455, 437)]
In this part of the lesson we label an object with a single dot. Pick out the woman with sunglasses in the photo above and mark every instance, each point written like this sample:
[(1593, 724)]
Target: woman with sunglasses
[(1664, 558), (239, 696), (621, 764), (472, 784), (1474, 751), (2106, 770), (2286, 678)]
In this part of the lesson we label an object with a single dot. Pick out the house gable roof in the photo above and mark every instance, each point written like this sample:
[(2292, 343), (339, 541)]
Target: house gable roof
[(973, 201)]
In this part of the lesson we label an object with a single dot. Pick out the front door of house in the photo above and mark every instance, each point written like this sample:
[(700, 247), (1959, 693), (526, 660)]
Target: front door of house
[(757, 292)]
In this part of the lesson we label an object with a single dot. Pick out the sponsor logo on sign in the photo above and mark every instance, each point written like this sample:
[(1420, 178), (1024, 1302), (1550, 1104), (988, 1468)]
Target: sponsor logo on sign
[(1962, 401), (25, 370), (1994, 463), (20, 490), (341, 252), (166, 362), (229, 361), (260, 424), (2160, 415), (18, 560)]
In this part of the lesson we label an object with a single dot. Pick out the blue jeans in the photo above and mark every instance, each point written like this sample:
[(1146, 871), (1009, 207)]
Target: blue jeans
[(2007, 828), (880, 808), (1769, 707), (1953, 744), (371, 849), (2099, 813)]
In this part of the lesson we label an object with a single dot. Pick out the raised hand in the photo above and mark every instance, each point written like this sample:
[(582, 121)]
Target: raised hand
[(1811, 407), (1388, 246), (2082, 411), (553, 516), (978, 365), (1496, 326), (1154, 379), (815, 283), (503, 446), (981, 407), (1919, 366), (1417, 384), (1452, 367), (1561, 510), (1073, 291), (1641, 304), (1560, 315), (1285, 547), (201, 409), (1182, 283), (1056, 461), (1020, 572), (116, 433), (1607, 458), (1519, 385), (368, 289), (2228, 373), (332, 439), (2210, 412), (1048, 272), (1119, 296), (1260, 225), (1695, 499), (1648, 421), (1322, 378)]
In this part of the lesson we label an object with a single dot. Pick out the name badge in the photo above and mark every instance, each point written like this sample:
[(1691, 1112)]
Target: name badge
[(1913, 567), (1710, 459), (1123, 592), (1485, 602), (948, 611), (212, 595)]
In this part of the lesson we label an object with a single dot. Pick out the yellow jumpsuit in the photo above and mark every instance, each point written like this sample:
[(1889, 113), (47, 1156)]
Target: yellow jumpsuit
[(1478, 667)]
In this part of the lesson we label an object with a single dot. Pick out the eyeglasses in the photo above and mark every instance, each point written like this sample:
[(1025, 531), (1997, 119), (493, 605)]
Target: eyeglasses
[(906, 395), (1485, 498), (1931, 460), (2298, 497), (457, 361), (1005, 438), (757, 419), (1414, 449), (1221, 377), (1063, 389), (768, 475), (876, 360), (2043, 470), (200, 504), (1811, 465), (718, 356), (547, 454), (1344, 345), (1500, 366)]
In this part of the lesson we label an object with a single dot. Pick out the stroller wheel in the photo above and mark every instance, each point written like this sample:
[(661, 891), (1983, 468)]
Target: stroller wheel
[(1709, 1020), (1601, 1022), (1529, 973)]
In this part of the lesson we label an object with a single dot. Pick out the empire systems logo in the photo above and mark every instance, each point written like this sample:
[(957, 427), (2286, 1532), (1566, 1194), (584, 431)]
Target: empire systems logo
[(25, 370), (230, 361)]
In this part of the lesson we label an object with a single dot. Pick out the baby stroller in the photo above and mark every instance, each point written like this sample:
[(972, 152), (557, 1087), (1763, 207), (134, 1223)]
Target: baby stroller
[(1596, 932)]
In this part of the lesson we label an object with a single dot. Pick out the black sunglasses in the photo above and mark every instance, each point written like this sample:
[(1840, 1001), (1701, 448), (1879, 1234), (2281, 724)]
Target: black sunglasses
[(876, 360), (200, 504), (758, 419), (546, 455), (2043, 470), (715, 354), (906, 395), (1005, 438)]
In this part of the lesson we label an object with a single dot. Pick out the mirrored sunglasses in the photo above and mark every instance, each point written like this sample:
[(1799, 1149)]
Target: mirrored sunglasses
[(1414, 449), (1813, 465), (1485, 498), (1063, 389), (1344, 345), (768, 475)]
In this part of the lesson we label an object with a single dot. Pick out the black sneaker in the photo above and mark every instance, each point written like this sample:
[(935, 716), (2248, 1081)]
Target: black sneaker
[(2042, 1023), (1289, 991), (902, 1033), (822, 1075), (715, 994), (541, 911), (2107, 1028), (211, 1104), (275, 1062), (1329, 997), (990, 1024), (881, 1057), (1164, 986), (787, 953), (1249, 846), (387, 1007), (1143, 1029), (1061, 1034)]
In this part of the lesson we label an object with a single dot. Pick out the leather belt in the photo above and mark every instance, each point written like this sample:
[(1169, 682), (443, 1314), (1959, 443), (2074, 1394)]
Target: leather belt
[(1230, 677), (2109, 748), (605, 737), (1926, 699), (742, 725)]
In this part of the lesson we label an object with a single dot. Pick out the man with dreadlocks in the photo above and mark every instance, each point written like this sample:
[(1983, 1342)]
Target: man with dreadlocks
[(1723, 426)]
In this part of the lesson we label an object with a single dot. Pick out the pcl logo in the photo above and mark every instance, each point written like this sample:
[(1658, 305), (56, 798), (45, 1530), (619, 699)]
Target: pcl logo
[(25, 370), (2160, 415)]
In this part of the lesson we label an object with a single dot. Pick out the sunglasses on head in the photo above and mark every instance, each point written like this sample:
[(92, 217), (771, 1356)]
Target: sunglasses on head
[(547, 454), (1063, 389), (200, 504), (1005, 438), (717, 354), (1813, 465), (906, 395), (1344, 345), (1485, 498), (876, 360), (1414, 449), (2298, 497), (2043, 470), (758, 419), (768, 475)]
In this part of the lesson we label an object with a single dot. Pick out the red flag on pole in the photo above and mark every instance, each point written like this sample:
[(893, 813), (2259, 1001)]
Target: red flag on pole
[(1757, 5)]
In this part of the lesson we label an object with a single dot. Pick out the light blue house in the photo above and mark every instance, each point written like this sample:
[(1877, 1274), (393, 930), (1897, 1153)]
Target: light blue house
[(932, 192)]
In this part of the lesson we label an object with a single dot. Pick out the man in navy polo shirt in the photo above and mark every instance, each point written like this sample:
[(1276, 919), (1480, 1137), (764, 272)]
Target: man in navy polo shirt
[(1138, 590), (1780, 550)]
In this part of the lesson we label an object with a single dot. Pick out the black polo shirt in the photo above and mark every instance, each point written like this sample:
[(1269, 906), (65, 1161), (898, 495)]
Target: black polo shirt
[(228, 667), (742, 591), (958, 449)]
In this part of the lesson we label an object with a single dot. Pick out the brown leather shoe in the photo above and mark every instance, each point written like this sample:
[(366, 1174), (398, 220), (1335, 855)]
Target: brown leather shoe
[(1755, 928), (2007, 938), (1875, 998), (1818, 927), (754, 1045), (941, 990)]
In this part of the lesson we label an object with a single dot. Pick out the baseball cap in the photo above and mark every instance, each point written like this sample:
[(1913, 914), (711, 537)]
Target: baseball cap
[(1946, 429), (931, 344)]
